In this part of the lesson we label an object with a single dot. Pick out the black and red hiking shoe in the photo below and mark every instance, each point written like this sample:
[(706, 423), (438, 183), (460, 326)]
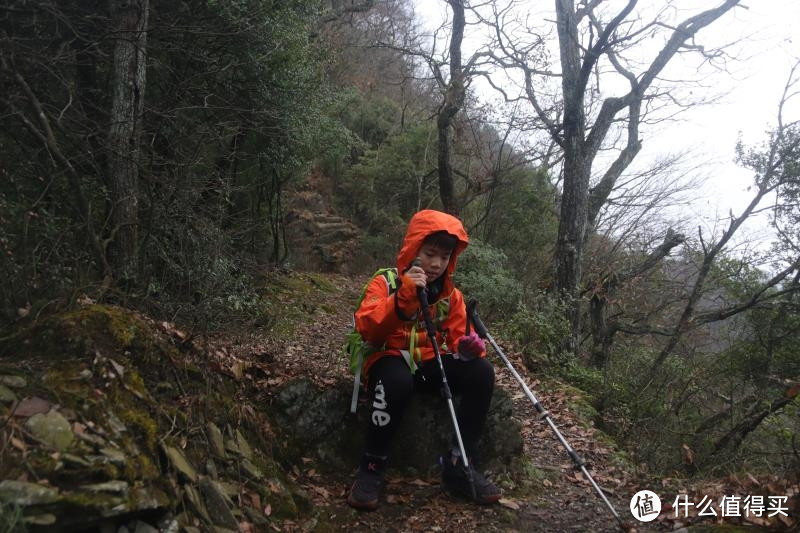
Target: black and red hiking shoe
[(368, 486), (455, 480)]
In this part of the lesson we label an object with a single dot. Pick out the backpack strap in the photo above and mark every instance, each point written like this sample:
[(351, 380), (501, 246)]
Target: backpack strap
[(390, 276), (356, 387)]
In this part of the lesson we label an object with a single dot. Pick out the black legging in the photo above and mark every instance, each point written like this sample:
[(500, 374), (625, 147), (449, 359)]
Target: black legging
[(391, 385)]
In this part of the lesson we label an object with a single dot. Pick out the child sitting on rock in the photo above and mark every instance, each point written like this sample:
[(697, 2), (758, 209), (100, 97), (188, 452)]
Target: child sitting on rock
[(406, 363)]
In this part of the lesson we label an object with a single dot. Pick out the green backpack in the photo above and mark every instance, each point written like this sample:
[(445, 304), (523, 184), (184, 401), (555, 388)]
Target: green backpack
[(357, 350), (355, 347)]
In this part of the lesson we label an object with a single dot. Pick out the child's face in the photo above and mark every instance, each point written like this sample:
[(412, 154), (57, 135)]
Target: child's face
[(434, 261)]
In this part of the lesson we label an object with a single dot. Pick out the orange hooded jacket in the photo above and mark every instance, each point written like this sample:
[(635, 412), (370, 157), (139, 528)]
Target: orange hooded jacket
[(377, 318)]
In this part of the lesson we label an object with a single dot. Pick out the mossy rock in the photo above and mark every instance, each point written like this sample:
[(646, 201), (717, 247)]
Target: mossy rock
[(77, 333), (319, 421), (125, 390)]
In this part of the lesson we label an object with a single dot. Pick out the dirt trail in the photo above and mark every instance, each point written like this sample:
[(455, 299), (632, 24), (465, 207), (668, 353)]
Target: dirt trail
[(561, 499)]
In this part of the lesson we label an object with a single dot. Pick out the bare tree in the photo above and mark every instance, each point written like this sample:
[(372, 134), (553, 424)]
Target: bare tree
[(593, 44), (774, 169), (453, 86), (454, 92)]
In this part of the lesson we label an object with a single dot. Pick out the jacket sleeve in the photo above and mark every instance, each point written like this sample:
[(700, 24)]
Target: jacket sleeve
[(381, 313), (456, 322)]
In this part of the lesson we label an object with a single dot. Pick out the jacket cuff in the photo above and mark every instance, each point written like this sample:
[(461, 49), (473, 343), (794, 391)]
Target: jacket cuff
[(406, 303)]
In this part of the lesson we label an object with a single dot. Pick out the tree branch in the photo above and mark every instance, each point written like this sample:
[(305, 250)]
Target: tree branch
[(756, 299), (46, 136), (593, 54), (736, 435)]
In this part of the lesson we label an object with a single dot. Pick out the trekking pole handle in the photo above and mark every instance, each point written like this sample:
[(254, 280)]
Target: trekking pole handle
[(422, 294)]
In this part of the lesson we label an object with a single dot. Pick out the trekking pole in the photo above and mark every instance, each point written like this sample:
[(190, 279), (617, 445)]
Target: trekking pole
[(422, 294), (480, 329)]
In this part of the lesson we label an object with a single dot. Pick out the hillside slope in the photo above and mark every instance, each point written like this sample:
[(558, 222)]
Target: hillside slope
[(156, 425)]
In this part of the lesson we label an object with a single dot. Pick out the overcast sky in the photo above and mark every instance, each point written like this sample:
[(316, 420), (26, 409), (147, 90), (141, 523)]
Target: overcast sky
[(756, 83), (753, 85)]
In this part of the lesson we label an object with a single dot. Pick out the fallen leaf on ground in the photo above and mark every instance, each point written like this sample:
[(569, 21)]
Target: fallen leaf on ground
[(511, 504), (19, 444), (31, 406), (237, 369), (322, 492), (255, 499), (118, 368)]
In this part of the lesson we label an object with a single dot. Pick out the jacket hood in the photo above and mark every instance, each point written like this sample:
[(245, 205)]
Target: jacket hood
[(425, 223)]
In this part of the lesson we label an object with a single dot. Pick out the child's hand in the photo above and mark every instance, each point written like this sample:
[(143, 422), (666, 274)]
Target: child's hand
[(418, 276), (470, 346)]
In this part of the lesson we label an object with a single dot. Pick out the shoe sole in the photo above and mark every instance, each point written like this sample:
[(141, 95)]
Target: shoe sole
[(362, 506), (486, 500)]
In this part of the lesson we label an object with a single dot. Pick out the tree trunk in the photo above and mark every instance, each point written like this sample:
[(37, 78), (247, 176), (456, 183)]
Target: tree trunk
[(453, 100), (446, 189), (581, 147), (575, 197), (602, 334), (129, 23)]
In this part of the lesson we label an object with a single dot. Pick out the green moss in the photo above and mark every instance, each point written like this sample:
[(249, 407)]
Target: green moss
[(321, 283), (41, 462), (587, 414), (528, 479), (122, 327), (76, 333), (293, 298), (135, 382), (111, 471), (623, 461), (95, 322), (299, 284), (147, 495), (140, 467), (59, 381), (274, 492), (54, 355), (92, 500), (141, 424)]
